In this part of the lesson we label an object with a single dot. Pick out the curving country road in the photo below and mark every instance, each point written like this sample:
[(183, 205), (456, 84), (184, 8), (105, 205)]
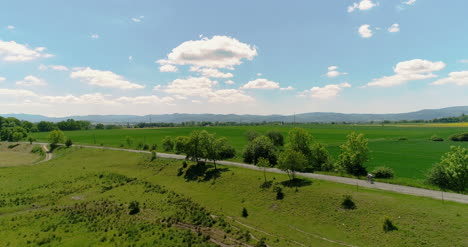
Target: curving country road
[(447, 196)]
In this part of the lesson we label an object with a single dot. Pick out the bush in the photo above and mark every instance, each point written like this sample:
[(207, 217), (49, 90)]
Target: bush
[(403, 139), (145, 147), (452, 170), (348, 203), (68, 143), (435, 138), (279, 192), (462, 137), (37, 150), (383, 172), (140, 145), (245, 214), (154, 147), (129, 141), (153, 155), (168, 144), (388, 225), (133, 208)]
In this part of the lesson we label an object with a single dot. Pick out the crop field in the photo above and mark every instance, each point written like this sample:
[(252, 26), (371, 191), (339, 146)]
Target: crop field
[(410, 159), (82, 198)]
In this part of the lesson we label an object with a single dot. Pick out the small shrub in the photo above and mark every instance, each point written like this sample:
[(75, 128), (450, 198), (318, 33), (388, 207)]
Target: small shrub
[(403, 138), (153, 155), (261, 243), (129, 141), (68, 143), (145, 147), (245, 214), (383, 172), (37, 150), (435, 138), (348, 203), (133, 208), (462, 137), (279, 192), (31, 139), (140, 145), (388, 225), (154, 146)]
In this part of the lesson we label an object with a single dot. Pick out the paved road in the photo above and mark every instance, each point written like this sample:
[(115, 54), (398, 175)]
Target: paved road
[(447, 196)]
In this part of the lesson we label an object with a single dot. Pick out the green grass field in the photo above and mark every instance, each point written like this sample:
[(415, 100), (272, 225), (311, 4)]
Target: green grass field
[(410, 159), (80, 198), (17, 156)]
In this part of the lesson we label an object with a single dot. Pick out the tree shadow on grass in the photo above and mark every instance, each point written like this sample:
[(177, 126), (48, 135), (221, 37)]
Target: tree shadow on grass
[(203, 172), (296, 182)]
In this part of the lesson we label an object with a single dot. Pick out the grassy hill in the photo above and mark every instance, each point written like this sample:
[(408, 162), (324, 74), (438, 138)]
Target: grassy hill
[(82, 197)]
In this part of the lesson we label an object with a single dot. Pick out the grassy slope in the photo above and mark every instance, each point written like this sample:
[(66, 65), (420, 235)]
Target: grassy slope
[(19, 155), (410, 159), (313, 209)]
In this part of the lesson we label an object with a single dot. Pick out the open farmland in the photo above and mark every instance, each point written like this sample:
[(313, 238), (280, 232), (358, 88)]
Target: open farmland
[(410, 159)]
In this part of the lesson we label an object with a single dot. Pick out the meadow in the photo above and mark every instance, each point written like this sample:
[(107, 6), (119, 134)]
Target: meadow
[(81, 198), (410, 159), (15, 155)]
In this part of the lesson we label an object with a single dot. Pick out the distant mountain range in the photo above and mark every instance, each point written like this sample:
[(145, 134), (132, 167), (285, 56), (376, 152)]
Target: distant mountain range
[(322, 117)]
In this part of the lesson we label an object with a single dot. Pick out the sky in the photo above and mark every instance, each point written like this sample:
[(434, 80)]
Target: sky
[(62, 58)]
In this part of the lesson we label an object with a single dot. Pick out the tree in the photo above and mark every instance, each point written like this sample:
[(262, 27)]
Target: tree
[(44, 126), (251, 135), (452, 170), (55, 137), (168, 144), (299, 141), (99, 126), (128, 140), (68, 143), (17, 136), (354, 153), (260, 147), (320, 158), (194, 149), (225, 150), (31, 139), (180, 144), (291, 161), (276, 137), (264, 163)]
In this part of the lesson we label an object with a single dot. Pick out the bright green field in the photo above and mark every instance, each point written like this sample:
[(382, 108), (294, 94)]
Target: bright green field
[(410, 159), (80, 199)]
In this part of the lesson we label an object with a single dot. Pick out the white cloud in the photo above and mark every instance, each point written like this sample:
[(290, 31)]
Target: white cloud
[(10, 51), (410, 2), (287, 88), (10, 27), (229, 82), (333, 72), (463, 61), (168, 68), (103, 78), (137, 19), (94, 36), (2, 79), (229, 96), (261, 84), (365, 31), (130, 58), (217, 52), (326, 92), (394, 28), (459, 78), (53, 67), (416, 69), (157, 87), (259, 74), (192, 86), (30, 81), (212, 73), (95, 99), (140, 100), (363, 5), (17, 92)]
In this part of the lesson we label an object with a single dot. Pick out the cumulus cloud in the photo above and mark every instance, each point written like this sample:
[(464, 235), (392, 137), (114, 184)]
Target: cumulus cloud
[(229, 96), (168, 68), (289, 88), (416, 69), (137, 19), (30, 81), (394, 28), (140, 100), (363, 5), (10, 27), (365, 31), (212, 73), (53, 67), (410, 2), (333, 72), (94, 36), (261, 84), (326, 92), (2, 79), (103, 78), (463, 61), (229, 82), (17, 92), (10, 51), (192, 86), (94, 99), (459, 78), (218, 52)]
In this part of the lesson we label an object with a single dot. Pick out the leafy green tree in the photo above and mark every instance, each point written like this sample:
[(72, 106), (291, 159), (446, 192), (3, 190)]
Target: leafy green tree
[(99, 126), (180, 144), (260, 147), (17, 136), (31, 139), (299, 141), (291, 161), (225, 150), (44, 126), (320, 158), (251, 135), (264, 163), (55, 137), (354, 153), (68, 143), (129, 141), (194, 149), (168, 144), (276, 137), (452, 170)]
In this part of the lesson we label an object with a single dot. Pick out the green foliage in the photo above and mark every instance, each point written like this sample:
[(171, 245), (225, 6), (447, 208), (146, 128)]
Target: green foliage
[(68, 142), (383, 172), (279, 192), (320, 158), (291, 161), (403, 138), (224, 148), (299, 141), (31, 139), (245, 214), (181, 143), (388, 225), (37, 150), (435, 138), (354, 153), (129, 141), (133, 207), (276, 137), (168, 144), (452, 170), (154, 147), (44, 126), (348, 202), (462, 137), (56, 136), (99, 126), (260, 147), (153, 155), (250, 135)]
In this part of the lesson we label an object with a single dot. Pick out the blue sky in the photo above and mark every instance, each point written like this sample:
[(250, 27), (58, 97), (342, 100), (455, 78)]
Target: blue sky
[(60, 58)]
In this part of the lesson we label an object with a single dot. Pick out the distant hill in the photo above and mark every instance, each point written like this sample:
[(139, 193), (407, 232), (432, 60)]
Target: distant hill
[(322, 117)]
